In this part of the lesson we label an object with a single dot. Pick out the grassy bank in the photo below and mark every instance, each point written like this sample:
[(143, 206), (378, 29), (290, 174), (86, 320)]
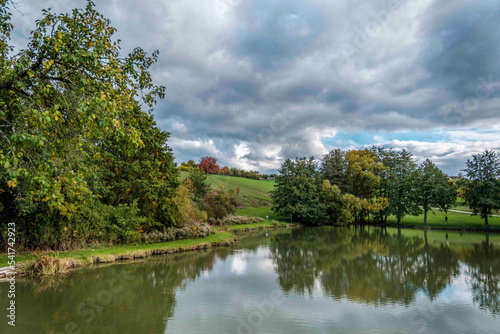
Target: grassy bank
[(261, 212), (268, 224), (124, 252), (456, 221)]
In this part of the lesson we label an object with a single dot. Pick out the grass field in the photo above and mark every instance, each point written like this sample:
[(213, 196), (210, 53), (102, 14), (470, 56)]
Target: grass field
[(253, 193), (455, 221)]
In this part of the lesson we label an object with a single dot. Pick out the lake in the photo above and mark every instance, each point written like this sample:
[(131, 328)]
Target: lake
[(305, 280)]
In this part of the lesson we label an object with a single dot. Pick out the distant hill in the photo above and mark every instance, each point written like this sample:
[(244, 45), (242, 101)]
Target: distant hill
[(253, 193)]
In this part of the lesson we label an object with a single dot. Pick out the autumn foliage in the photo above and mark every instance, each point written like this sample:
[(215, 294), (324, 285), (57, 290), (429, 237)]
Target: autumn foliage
[(209, 165)]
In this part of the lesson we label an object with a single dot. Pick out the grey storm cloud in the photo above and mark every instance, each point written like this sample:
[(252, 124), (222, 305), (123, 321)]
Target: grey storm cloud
[(255, 82)]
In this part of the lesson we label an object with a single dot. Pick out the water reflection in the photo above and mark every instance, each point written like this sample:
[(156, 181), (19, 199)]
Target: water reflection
[(120, 298), (483, 274), (330, 276), (375, 266)]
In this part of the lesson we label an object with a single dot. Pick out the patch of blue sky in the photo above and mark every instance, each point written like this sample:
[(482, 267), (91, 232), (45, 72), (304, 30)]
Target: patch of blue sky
[(361, 139)]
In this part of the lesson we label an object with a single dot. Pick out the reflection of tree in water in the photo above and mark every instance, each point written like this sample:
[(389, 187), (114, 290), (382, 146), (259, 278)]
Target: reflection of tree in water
[(128, 298), (361, 264), (483, 274)]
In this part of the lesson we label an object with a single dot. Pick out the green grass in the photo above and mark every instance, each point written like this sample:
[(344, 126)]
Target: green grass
[(252, 192), (455, 221), (87, 254), (260, 212), (243, 226)]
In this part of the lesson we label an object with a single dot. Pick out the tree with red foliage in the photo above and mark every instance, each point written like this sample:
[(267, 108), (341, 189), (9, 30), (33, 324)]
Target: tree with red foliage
[(209, 165)]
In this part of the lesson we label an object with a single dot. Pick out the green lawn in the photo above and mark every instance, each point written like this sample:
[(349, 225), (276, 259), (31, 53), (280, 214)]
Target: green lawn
[(253, 193), (262, 212), (243, 226), (455, 221), (87, 254)]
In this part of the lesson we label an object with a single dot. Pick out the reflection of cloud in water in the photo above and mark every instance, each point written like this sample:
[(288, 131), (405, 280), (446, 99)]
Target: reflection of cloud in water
[(266, 264), (459, 289), (238, 264)]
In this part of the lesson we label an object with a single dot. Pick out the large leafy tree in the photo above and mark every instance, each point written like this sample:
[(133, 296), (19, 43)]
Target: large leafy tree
[(397, 183), (209, 165), (69, 108), (297, 191), (432, 188), (364, 171), (147, 176), (482, 190)]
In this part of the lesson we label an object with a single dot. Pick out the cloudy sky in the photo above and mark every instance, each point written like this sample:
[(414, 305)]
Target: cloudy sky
[(255, 82)]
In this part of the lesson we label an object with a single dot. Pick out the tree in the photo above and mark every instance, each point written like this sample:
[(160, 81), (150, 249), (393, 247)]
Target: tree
[(297, 191), (433, 188), (70, 116), (148, 175), (199, 184), (339, 208), (396, 183), (364, 171), (482, 190), (209, 165), (225, 171), (334, 169)]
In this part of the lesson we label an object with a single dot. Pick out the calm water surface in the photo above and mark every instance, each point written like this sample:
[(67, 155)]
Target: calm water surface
[(309, 280)]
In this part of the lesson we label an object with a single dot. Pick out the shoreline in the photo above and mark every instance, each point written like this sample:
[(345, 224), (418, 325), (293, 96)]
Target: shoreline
[(441, 228), (491, 229), (122, 253), (225, 238)]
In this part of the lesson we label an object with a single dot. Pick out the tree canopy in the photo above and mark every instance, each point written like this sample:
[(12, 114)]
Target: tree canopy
[(482, 189), (73, 131)]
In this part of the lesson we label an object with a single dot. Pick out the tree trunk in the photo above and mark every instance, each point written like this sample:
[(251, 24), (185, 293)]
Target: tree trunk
[(399, 220), (425, 217), (487, 245), (486, 219)]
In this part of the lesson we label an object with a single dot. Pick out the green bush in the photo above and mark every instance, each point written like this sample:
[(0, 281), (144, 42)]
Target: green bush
[(125, 223)]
